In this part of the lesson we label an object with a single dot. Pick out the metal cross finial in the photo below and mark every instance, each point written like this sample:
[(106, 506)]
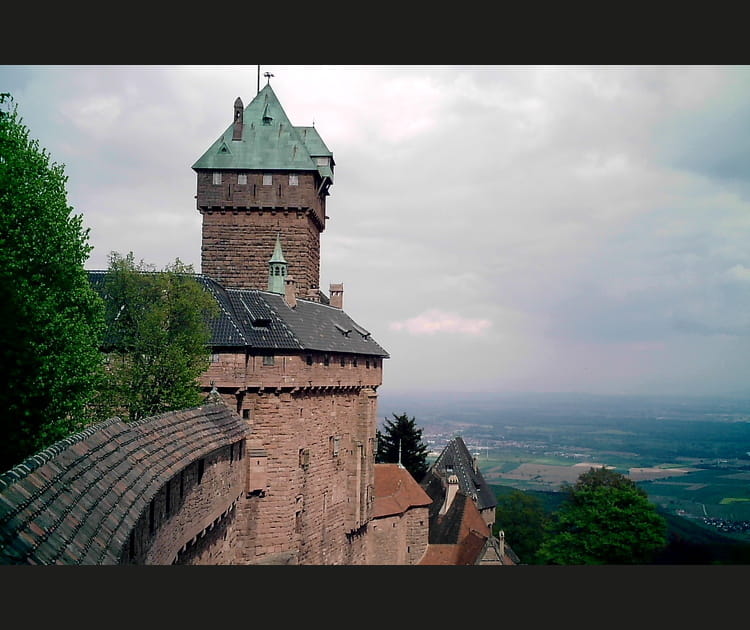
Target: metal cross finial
[(268, 76)]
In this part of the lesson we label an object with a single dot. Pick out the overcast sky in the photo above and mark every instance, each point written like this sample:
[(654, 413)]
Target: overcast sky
[(510, 229)]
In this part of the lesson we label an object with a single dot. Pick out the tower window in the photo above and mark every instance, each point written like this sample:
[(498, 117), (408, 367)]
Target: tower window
[(268, 359), (309, 359), (294, 180), (217, 178), (321, 161), (267, 180), (242, 178)]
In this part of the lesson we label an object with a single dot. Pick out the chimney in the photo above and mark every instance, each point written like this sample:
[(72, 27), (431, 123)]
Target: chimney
[(313, 294), (238, 114), (290, 292), (450, 493), (337, 295)]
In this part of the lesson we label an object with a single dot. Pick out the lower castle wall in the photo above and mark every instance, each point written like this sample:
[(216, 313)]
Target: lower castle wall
[(198, 525), (320, 449)]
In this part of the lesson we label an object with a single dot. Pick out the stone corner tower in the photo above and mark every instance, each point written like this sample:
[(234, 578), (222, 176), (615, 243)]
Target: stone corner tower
[(260, 180)]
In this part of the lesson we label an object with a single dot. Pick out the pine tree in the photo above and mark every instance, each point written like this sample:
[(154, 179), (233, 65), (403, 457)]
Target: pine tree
[(401, 441), (51, 318)]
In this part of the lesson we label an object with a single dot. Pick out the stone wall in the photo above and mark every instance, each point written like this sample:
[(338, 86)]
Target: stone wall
[(319, 447), (240, 225)]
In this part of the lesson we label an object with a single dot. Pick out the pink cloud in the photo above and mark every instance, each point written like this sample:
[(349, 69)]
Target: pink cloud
[(436, 321)]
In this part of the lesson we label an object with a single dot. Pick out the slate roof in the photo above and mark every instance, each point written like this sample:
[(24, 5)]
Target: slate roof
[(396, 491), (457, 459), (261, 320), (277, 145), (77, 501)]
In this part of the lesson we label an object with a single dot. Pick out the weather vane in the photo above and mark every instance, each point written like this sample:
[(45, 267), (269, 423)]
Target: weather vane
[(268, 76)]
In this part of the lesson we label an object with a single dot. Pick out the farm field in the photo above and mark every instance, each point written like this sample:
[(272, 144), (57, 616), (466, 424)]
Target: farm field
[(692, 457)]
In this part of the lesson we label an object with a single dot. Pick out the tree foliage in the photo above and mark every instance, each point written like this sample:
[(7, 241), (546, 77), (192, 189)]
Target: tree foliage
[(401, 441), (605, 519), (157, 337), (51, 318), (523, 519)]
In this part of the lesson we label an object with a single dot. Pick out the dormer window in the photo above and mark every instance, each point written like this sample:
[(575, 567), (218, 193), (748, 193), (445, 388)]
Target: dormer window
[(322, 161)]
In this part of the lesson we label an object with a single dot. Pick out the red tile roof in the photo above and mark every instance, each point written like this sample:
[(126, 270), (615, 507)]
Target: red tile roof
[(396, 491)]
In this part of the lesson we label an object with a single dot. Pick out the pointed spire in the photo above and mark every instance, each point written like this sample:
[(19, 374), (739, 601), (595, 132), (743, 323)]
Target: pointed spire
[(278, 254)]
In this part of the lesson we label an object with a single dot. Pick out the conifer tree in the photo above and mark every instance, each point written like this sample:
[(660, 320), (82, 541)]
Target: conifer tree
[(50, 318), (401, 441)]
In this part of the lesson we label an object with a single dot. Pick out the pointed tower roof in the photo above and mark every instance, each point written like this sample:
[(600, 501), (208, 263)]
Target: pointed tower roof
[(269, 142), (278, 254)]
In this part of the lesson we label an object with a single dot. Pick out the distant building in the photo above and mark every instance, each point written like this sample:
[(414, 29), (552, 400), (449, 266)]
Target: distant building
[(462, 512)]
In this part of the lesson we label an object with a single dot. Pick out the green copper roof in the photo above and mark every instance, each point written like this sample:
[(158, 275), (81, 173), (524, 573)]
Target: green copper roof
[(269, 142)]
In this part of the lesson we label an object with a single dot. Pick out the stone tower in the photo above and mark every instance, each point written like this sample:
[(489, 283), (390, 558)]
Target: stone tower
[(261, 180)]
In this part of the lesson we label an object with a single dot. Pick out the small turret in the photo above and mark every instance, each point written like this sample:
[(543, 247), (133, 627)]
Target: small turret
[(277, 269)]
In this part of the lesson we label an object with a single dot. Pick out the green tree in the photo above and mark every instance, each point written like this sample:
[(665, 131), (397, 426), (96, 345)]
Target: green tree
[(401, 441), (51, 318), (157, 337), (524, 520), (605, 519)]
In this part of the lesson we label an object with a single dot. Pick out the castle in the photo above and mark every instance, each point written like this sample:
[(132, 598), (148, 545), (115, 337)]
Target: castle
[(278, 467)]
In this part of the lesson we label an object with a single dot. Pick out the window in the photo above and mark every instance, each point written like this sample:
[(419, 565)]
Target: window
[(201, 469), (334, 444), (168, 498), (268, 359), (294, 180), (326, 360), (217, 178), (245, 414), (343, 361), (267, 180), (367, 364), (321, 161), (309, 359), (304, 457), (355, 363), (214, 358), (242, 178)]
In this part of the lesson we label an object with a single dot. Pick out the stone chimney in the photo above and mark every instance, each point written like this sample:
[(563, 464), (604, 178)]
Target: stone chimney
[(290, 292), (313, 295), (451, 490), (336, 295)]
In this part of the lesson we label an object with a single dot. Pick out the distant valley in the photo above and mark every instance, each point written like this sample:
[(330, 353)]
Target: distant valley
[(691, 455)]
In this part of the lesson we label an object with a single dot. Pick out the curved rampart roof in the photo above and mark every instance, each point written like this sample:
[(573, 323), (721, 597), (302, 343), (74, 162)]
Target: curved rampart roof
[(77, 501)]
